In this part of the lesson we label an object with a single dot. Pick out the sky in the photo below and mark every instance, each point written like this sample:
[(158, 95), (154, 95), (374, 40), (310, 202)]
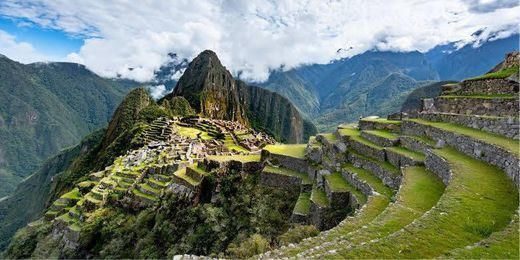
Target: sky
[(132, 39)]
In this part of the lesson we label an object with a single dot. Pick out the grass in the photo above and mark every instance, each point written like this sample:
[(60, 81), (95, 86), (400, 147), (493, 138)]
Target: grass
[(72, 195), (494, 96), (381, 120), (230, 144), (423, 139), (192, 133), (500, 245), (504, 73), (147, 186), (419, 192), (199, 170), (408, 153), (371, 179), (293, 150), (240, 158), (509, 144), (384, 134), (181, 173), (355, 135), (338, 184), (319, 197), (144, 195), (348, 132), (385, 165), (374, 206), (288, 172), (476, 203), (303, 204), (330, 137)]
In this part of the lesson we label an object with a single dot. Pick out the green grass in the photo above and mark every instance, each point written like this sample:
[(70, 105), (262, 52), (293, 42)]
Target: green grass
[(408, 153), (494, 96), (498, 74), (419, 192), (293, 150), (147, 186), (349, 132), (374, 206), (355, 135), (303, 204), (338, 184), (199, 170), (330, 137), (371, 179), (192, 133), (509, 144), (72, 195), (144, 195), (385, 165), (381, 120), (288, 172), (319, 197), (384, 134), (230, 144), (240, 158), (181, 173), (477, 202), (423, 139), (500, 245)]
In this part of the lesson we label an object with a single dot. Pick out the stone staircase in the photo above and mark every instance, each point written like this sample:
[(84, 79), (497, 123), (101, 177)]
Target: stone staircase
[(454, 171), (160, 130)]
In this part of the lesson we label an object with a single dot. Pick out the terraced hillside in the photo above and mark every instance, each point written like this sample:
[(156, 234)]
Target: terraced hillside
[(443, 184)]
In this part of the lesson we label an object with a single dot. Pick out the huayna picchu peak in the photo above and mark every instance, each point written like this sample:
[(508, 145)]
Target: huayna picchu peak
[(193, 175)]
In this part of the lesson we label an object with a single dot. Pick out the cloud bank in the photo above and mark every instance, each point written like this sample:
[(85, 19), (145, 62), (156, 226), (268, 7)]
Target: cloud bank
[(132, 38)]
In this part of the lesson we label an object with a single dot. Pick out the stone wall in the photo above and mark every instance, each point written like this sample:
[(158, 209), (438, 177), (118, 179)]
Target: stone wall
[(398, 160), (507, 126), (364, 149), (359, 184), (387, 177), (477, 106), (374, 125), (414, 144), (279, 180), (488, 86), (379, 140), (479, 150), (439, 166)]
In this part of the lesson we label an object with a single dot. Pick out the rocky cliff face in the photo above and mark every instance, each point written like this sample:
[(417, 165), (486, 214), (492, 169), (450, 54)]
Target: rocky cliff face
[(212, 92), (211, 89)]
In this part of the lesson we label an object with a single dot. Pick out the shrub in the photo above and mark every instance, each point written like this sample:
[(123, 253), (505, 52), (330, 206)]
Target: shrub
[(254, 245), (297, 234)]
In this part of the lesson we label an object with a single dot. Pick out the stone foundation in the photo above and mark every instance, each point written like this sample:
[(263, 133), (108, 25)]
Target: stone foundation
[(279, 180), (387, 177), (381, 141), (488, 86), (374, 125), (439, 166), (477, 106), (366, 150)]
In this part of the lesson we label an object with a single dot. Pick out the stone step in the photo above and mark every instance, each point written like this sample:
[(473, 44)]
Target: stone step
[(365, 181), (161, 178), (381, 137), (144, 197), (195, 172), (155, 183), (412, 202), (389, 174), (495, 149), (507, 126), (489, 105), (379, 124), (342, 194), (361, 145), (302, 209), (417, 143), (488, 86), (476, 203), (281, 177), (181, 178), (147, 189), (400, 156)]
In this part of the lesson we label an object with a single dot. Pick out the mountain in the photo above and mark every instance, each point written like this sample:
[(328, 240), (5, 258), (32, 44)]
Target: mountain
[(413, 101), (45, 108), (346, 89), (213, 92), (470, 61), (341, 91)]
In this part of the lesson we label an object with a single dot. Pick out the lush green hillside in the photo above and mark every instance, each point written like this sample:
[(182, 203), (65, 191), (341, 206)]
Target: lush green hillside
[(46, 107)]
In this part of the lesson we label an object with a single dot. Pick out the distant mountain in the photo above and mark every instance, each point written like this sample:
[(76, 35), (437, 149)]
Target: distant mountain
[(377, 83), (213, 92), (413, 101), (466, 62), (45, 108)]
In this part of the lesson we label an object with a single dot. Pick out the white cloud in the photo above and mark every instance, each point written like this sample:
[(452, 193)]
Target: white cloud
[(158, 91), (19, 51), (132, 40)]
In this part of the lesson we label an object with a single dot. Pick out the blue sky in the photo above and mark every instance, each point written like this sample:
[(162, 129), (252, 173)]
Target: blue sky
[(49, 42), (251, 37)]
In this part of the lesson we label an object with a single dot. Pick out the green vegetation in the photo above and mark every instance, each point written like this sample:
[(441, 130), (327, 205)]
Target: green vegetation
[(330, 137), (385, 165), (284, 171), (371, 179), (461, 217), (494, 96), (337, 183), (419, 157), (303, 204), (504, 73), (240, 158), (231, 145), (319, 197), (73, 195), (254, 245), (293, 150), (384, 134), (192, 133), (504, 142), (297, 234), (381, 120), (181, 173)]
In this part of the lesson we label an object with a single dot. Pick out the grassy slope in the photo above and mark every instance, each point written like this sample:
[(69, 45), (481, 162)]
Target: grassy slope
[(293, 150), (476, 203)]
